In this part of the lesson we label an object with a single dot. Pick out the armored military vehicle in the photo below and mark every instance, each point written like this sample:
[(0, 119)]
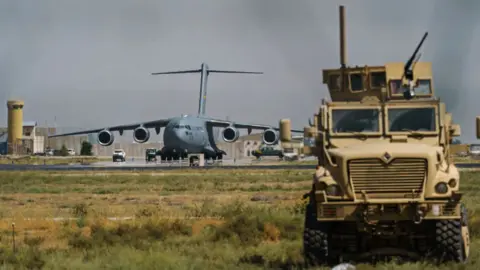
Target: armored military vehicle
[(150, 155), (267, 151), (385, 184)]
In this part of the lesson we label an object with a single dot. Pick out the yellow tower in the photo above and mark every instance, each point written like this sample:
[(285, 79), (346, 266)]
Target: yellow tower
[(15, 125)]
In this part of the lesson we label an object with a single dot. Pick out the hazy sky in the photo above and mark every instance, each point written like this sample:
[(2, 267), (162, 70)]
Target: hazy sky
[(89, 62)]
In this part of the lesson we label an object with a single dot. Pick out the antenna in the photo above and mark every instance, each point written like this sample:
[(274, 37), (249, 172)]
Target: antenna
[(408, 69), (343, 38), (343, 52), (204, 71)]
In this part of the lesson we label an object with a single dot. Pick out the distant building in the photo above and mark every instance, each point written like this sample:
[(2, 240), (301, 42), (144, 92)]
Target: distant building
[(31, 142), (3, 141), (36, 143)]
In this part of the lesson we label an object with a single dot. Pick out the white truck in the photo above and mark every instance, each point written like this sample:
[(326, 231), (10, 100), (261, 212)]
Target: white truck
[(119, 154)]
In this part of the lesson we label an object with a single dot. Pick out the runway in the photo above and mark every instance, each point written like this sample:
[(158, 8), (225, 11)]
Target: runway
[(159, 167)]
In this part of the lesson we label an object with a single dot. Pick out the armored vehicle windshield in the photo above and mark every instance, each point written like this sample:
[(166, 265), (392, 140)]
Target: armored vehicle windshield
[(355, 120), (411, 119)]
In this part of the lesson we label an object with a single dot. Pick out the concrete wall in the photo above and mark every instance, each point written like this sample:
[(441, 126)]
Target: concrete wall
[(131, 149), (240, 149), (249, 146), (38, 144), (234, 150)]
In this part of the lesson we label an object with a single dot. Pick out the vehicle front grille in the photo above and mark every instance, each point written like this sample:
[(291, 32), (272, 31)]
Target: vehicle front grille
[(401, 178)]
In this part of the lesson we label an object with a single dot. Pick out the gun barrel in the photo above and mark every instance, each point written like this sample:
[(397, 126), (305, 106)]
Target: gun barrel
[(343, 38), (414, 55)]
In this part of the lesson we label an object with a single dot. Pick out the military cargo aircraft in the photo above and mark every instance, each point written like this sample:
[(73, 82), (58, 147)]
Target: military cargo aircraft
[(187, 134)]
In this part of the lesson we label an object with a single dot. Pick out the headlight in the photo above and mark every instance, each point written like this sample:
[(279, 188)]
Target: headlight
[(452, 183), (333, 190), (441, 188)]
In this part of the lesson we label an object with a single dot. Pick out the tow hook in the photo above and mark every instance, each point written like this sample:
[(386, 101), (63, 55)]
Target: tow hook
[(418, 218)]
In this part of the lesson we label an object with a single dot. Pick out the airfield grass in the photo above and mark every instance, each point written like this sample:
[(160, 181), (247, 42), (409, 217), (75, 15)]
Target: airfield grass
[(182, 219), (41, 160)]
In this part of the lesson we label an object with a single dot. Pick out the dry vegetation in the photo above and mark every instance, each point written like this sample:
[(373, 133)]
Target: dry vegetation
[(42, 160), (236, 219)]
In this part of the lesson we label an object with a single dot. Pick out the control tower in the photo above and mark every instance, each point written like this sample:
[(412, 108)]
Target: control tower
[(15, 125)]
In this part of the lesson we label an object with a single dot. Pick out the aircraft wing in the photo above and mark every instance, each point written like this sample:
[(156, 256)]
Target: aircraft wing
[(249, 127), (121, 128)]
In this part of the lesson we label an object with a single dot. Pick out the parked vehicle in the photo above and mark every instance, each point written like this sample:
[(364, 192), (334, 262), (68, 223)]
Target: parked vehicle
[(267, 151), (119, 154), (150, 154)]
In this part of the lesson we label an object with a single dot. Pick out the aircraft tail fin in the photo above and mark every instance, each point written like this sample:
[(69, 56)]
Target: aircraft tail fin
[(204, 71)]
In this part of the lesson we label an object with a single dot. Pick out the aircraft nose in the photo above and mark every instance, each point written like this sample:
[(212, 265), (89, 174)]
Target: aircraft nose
[(179, 133)]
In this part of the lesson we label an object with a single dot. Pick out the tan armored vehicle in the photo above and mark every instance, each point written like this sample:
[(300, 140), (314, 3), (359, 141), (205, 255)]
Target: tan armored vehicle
[(385, 184)]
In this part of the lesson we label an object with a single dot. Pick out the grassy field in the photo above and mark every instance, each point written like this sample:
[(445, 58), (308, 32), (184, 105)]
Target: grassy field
[(40, 160), (238, 219)]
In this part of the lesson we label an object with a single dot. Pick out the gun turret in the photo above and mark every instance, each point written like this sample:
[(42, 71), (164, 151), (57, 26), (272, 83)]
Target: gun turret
[(377, 83), (408, 70)]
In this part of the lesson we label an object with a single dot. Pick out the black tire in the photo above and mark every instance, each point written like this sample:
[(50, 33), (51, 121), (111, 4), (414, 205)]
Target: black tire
[(449, 240), (315, 239)]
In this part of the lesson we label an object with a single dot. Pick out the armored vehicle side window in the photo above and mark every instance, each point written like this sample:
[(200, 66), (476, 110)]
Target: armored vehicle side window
[(423, 87), (378, 79), (356, 82), (334, 82), (396, 87), (355, 120), (411, 119)]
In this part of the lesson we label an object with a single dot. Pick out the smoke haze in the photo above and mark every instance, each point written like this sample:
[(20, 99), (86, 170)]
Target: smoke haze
[(89, 62)]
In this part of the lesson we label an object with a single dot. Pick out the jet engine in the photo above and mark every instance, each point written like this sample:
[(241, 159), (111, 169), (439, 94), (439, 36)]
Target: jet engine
[(105, 138), (230, 134), (141, 134), (270, 136)]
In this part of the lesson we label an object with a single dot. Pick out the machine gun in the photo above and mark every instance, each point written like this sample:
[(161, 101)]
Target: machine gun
[(408, 70)]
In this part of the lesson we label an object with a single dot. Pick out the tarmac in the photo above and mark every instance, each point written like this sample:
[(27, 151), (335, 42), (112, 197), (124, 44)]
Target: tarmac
[(141, 165)]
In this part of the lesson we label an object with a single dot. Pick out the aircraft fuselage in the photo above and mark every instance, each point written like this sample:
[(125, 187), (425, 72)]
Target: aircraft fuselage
[(188, 135)]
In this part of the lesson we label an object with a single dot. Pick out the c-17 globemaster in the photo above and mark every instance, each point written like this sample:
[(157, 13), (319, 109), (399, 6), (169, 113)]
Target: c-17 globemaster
[(186, 134)]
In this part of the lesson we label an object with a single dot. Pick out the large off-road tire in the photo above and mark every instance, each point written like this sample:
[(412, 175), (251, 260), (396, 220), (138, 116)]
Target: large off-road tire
[(315, 239), (452, 239)]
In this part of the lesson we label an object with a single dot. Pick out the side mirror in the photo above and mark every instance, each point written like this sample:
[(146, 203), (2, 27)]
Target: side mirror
[(478, 127), (455, 130)]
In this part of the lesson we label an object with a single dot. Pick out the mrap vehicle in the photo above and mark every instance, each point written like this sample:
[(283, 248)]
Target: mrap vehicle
[(267, 151), (385, 184), (151, 154)]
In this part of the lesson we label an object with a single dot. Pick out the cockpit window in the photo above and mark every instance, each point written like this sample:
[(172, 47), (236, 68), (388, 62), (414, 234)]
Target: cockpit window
[(182, 127), (355, 120), (356, 81), (411, 119)]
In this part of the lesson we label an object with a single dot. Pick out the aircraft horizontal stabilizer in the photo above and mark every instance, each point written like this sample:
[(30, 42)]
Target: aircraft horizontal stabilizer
[(233, 71), (208, 71), (178, 72)]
